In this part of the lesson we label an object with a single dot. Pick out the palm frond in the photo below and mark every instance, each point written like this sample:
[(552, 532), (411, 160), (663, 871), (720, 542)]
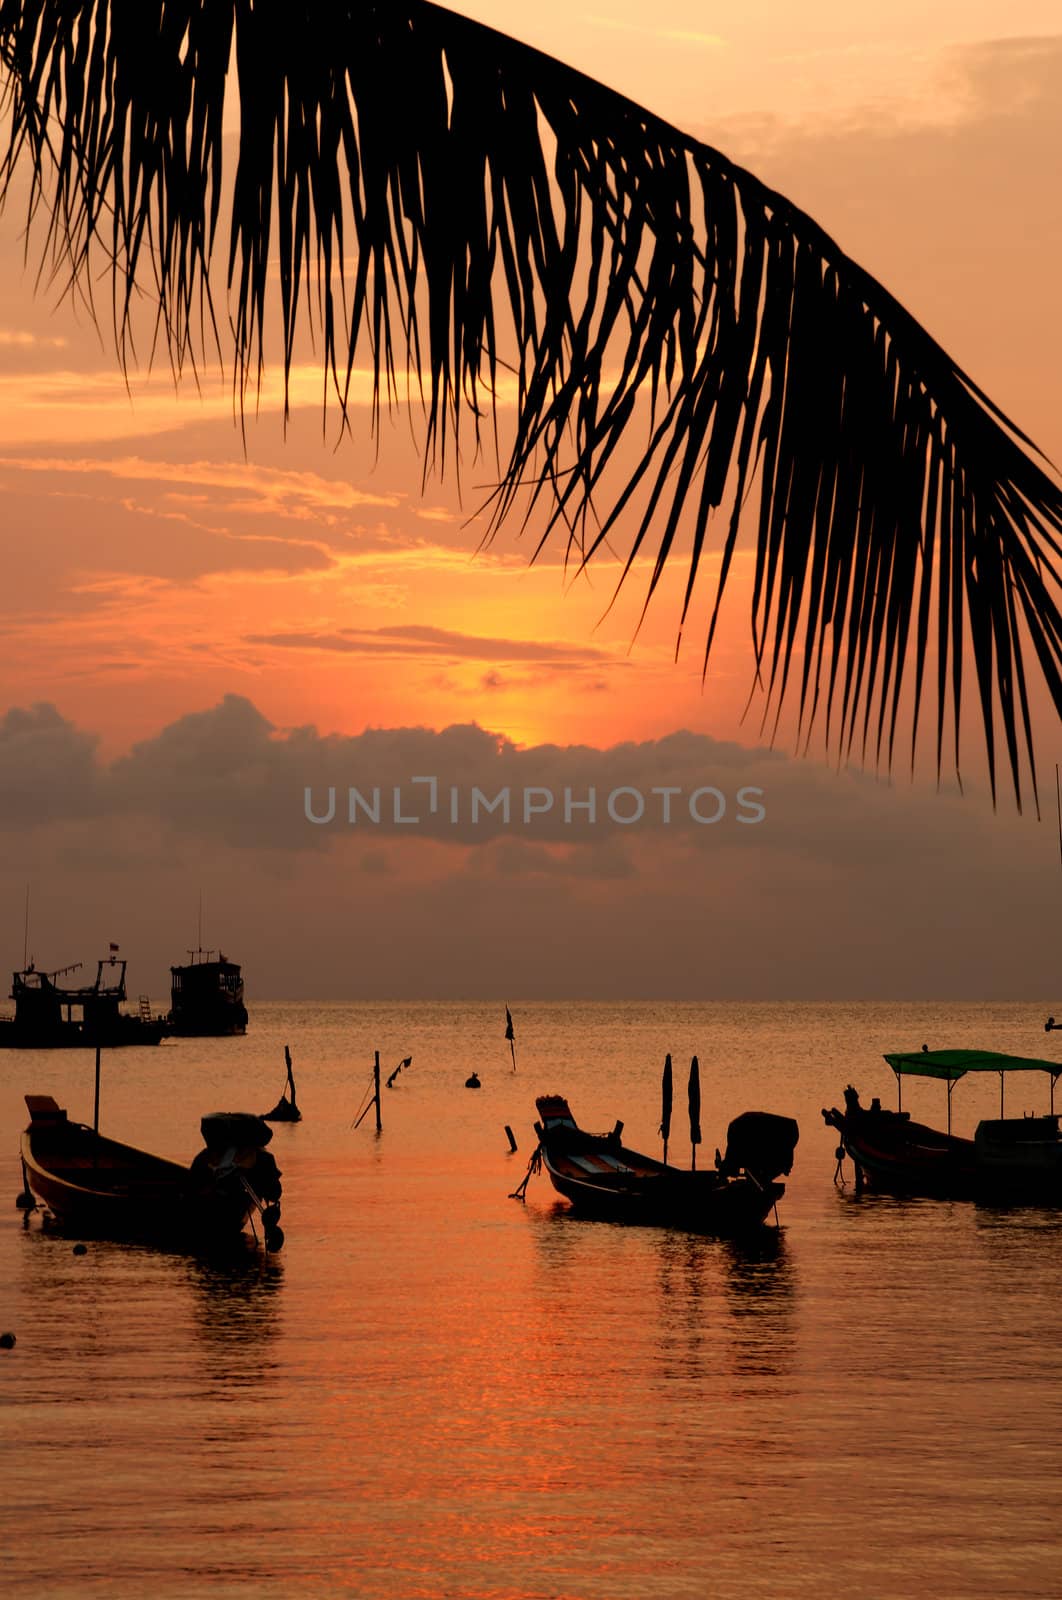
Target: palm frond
[(445, 195)]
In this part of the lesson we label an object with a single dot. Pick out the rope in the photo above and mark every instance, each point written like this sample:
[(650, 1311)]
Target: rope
[(533, 1166), (255, 1201), (258, 1205), (25, 1202), (370, 1091), (838, 1171)]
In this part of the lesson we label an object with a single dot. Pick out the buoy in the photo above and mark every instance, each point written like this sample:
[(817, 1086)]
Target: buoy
[(271, 1216), (473, 1082), (7, 1341), (80, 1250), (24, 1201), (274, 1240)]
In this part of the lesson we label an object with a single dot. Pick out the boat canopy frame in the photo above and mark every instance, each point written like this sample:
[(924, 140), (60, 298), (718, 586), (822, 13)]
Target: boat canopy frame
[(951, 1065)]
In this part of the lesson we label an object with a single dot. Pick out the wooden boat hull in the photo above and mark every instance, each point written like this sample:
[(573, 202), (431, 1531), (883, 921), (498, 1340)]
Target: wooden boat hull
[(698, 1202), (101, 1188), (603, 1178), (76, 1036), (893, 1155), (230, 1024)]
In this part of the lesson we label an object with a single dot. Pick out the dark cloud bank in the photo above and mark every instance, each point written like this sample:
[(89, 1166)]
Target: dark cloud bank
[(848, 886)]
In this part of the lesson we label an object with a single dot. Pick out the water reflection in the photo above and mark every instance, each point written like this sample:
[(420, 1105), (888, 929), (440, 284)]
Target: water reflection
[(118, 1294), (563, 1241), (710, 1306), (998, 1223), (236, 1302), (687, 1282), (760, 1285), (236, 1320)]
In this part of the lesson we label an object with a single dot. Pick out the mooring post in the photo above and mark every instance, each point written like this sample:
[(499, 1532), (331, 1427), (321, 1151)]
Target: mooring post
[(96, 1102), (509, 1136), (376, 1089)]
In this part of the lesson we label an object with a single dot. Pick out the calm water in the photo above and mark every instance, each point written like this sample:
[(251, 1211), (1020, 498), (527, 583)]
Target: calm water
[(436, 1391)]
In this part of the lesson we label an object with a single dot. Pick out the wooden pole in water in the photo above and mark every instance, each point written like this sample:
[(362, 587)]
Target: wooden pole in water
[(509, 1136), (96, 1102), (376, 1089)]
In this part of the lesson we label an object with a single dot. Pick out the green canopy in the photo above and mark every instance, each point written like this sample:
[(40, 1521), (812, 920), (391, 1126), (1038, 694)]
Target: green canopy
[(954, 1064)]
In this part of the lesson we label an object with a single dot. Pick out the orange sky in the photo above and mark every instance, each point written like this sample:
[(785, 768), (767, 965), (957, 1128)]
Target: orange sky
[(151, 567), (148, 562)]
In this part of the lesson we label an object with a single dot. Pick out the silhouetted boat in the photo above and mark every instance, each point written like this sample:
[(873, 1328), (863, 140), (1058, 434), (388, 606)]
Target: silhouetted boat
[(602, 1177), (54, 1016), (286, 1109), (206, 997), (1009, 1160), (95, 1186)]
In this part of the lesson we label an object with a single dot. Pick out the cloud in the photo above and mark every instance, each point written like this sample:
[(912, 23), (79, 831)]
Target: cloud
[(603, 860), (848, 886), (47, 768), (229, 773), (101, 405), (22, 339), (963, 166), (1006, 78), (271, 488), (708, 41), (414, 640)]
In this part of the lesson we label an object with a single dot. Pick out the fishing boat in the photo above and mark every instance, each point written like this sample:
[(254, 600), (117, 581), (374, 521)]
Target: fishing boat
[(286, 1108), (206, 997), (50, 1015), (95, 1186), (1009, 1160), (602, 1177)]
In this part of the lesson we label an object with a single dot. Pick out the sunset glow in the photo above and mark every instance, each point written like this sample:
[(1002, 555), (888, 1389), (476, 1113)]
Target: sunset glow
[(157, 560)]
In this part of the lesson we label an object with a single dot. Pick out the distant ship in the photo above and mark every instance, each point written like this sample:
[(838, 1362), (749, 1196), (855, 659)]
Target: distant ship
[(206, 997), (55, 1016)]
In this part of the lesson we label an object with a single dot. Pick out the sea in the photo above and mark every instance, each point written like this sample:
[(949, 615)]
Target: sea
[(436, 1390)]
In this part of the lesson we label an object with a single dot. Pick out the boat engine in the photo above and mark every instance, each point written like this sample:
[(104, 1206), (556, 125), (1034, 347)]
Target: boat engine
[(761, 1144), (235, 1155)]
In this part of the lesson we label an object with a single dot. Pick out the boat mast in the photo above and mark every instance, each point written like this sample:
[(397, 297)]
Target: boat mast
[(25, 926)]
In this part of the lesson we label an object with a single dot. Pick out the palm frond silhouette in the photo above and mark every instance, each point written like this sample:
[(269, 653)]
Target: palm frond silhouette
[(442, 195)]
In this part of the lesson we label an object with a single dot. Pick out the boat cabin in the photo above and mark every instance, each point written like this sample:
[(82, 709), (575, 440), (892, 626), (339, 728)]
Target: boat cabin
[(42, 1004), (206, 995)]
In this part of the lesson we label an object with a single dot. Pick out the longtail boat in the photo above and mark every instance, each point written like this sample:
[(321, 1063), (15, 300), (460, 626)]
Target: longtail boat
[(602, 1177), (94, 1186), (1009, 1160)]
